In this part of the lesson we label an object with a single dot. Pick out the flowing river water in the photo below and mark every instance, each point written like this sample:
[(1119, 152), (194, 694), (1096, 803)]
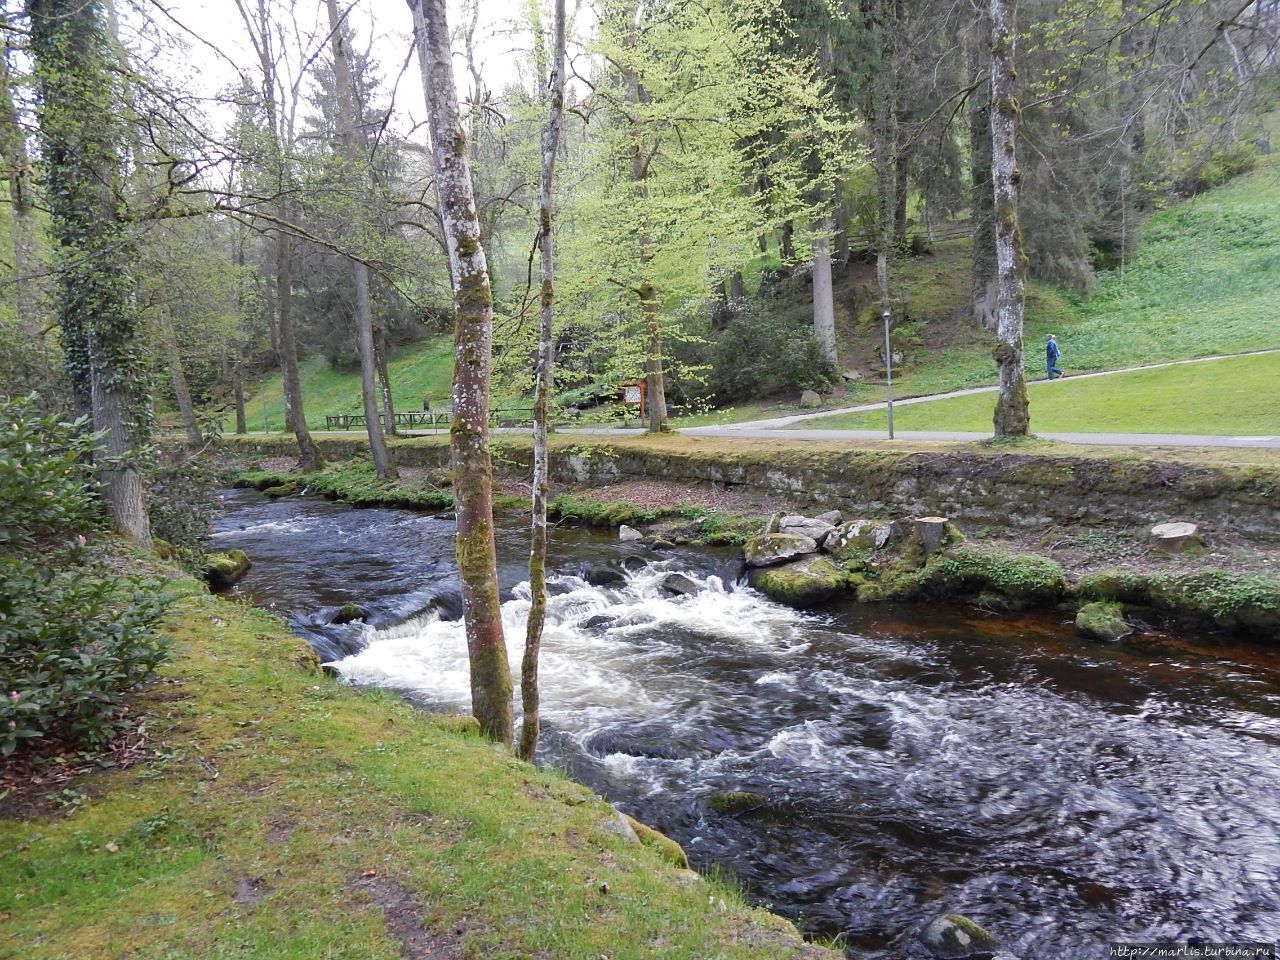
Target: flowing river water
[(913, 761)]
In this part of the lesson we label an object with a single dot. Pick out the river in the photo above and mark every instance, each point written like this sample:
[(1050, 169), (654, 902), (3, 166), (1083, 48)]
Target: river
[(914, 761)]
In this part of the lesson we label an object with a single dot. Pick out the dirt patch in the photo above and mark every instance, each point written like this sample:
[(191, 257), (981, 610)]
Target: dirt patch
[(403, 916), (277, 464), (250, 891)]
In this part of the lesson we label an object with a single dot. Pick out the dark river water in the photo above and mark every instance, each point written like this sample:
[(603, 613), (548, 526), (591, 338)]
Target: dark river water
[(916, 760)]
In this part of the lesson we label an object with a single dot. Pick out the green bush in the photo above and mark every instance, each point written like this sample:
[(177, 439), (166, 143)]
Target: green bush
[(73, 636), (47, 485), (760, 355), (70, 646)]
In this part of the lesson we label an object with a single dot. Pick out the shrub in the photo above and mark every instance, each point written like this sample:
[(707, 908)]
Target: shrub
[(70, 645), (760, 354), (181, 505), (73, 638), (46, 478)]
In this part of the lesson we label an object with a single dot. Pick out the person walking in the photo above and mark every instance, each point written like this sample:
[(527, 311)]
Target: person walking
[(1051, 354)]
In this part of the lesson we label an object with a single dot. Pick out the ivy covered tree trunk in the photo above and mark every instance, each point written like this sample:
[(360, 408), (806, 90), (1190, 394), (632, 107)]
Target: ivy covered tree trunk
[(473, 332), (1011, 417), (529, 692), (237, 388), (384, 379), (79, 104), (359, 272)]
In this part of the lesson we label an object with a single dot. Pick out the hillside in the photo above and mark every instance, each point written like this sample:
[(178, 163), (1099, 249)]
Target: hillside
[(1204, 281)]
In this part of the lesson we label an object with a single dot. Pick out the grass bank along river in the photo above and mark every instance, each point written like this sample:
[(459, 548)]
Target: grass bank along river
[(865, 769), (281, 815)]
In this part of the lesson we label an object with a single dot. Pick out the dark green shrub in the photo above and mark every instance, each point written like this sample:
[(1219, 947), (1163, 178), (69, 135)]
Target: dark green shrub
[(73, 636), (181, 503), (47, 486), (761, 354), (71, 644)]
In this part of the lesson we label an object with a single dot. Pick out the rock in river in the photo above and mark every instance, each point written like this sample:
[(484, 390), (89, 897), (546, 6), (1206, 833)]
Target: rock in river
[(1103, 621), (224, 569), (770, 548), (814, 528), (954, 936), (804, 583)]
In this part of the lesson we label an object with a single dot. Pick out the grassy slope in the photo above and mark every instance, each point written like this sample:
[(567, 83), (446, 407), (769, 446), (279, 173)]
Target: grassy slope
[(1240, 395), (423, 370), (281, 803)]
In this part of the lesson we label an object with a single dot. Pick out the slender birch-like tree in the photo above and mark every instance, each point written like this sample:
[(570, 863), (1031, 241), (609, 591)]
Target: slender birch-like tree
[(473, 339), (353, 160), (1011, 417), (529, 692)]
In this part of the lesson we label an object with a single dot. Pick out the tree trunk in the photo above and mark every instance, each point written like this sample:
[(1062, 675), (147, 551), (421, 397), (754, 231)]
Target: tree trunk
[(178, 376), (237, 389), (824, 304), (79, 122), (983, 264), (382, 464), (655, 384), (1011, 417), (529, 693), (841, 224), (901, 191), (473, 331), (26, 287), (295, 420), (786, 242), (884, 134), (384, 380), (737, 290)]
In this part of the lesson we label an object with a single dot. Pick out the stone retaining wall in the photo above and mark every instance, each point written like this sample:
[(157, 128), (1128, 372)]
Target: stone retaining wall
[(980, 488)]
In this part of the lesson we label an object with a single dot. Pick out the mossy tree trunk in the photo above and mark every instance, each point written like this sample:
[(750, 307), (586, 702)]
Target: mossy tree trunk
[(473, 332), (351, 155), (24, 230), (983, 263), (178, 379), (384, 379), (1011, 415), (529, 691), (80, 107)]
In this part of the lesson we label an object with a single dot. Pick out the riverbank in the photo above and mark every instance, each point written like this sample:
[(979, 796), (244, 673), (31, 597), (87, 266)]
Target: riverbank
[(1040, 529), (276, 812)]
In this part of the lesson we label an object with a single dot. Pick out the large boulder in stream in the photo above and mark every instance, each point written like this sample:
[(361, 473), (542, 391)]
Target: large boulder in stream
[(803, 583), (770, 548), (222, 570)]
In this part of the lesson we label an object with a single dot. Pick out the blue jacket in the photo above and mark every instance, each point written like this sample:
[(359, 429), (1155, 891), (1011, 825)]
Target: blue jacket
[(1051, 350)]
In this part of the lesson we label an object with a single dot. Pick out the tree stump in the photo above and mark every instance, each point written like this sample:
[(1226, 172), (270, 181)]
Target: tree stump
[(1175, 537), (931, 532)]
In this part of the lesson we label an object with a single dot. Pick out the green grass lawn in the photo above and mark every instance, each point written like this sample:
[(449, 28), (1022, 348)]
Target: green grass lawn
[(421, 370), (1237, 396)]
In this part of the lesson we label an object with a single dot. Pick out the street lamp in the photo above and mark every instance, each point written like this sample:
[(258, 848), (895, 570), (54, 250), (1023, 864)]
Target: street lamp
[(888, 369)]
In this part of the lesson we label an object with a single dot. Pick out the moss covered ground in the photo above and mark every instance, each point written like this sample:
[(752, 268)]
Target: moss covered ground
[(283, 815)]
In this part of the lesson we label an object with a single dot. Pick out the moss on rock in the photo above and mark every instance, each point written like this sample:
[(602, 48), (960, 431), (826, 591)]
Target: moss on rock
[(224, 569), (803, 583), (1102, 620), (281, 489), (736, 801), (1013, 580), (666, 848)]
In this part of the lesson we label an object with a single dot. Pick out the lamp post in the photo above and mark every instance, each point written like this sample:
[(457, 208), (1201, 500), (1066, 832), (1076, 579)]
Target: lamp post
[(888, 369)]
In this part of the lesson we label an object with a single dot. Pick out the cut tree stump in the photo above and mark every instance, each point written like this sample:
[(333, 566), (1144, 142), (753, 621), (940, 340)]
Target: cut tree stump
[(1175, 537), (931, 532)]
